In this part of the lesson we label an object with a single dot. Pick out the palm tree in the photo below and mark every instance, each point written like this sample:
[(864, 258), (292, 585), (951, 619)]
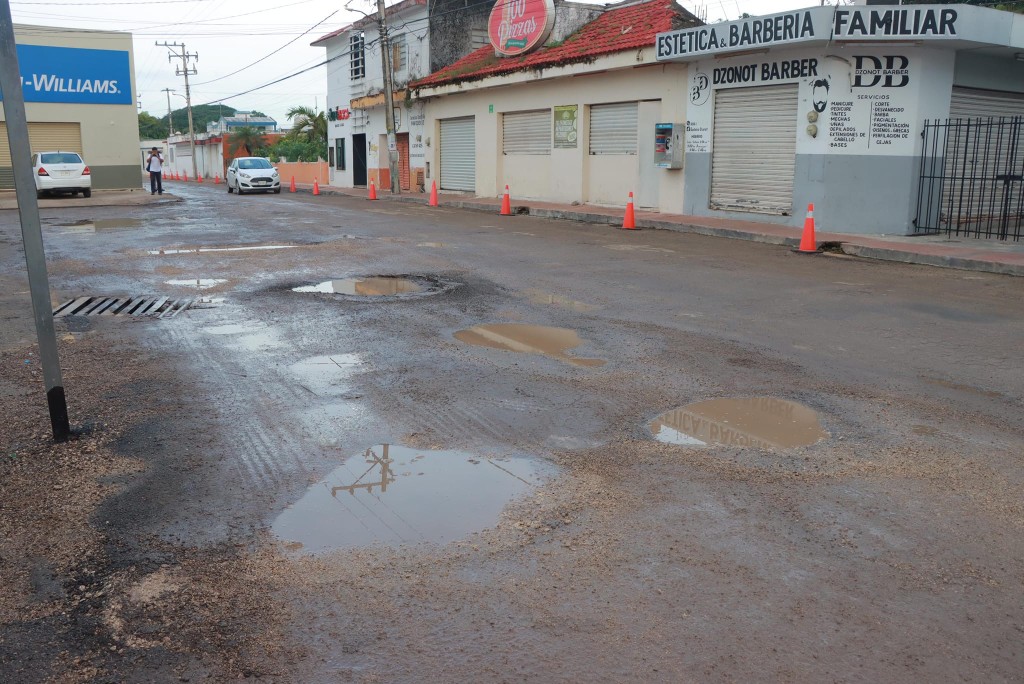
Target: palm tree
[(308, 124), (248, 138)]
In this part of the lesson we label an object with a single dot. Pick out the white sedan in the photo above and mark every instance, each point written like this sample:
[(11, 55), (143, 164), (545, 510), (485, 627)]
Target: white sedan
[(61, 172), (252, 174)]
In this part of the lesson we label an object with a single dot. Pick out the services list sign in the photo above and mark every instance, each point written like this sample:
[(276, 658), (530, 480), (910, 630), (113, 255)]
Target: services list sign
[(921, 22), (74, 75)]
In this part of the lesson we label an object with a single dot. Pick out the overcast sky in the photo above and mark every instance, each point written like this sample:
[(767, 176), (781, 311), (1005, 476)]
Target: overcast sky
[(231, 36)]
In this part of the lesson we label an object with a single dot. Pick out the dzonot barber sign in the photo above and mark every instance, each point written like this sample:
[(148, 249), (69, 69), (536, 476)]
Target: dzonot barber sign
[(922, 22)]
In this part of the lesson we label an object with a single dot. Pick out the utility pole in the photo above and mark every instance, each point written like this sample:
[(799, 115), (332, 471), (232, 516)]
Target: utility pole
[(31, 233), (170, 120), (185, 71), (389, 105)]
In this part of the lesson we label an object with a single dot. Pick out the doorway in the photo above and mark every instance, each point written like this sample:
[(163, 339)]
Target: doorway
[(402, 142), (359, 160)]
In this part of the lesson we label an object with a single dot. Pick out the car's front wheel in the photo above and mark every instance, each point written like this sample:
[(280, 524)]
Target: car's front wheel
[(277, 191), (230, 189)]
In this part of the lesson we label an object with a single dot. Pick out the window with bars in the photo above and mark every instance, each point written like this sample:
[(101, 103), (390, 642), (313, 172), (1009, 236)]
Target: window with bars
[(399, 54), (339, 154), (357, 56)]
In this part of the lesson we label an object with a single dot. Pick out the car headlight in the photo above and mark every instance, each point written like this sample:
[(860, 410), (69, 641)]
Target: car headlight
[(245, 175)]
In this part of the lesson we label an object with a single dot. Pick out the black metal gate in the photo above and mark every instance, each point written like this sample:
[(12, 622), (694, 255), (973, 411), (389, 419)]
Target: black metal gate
[(972, 178)]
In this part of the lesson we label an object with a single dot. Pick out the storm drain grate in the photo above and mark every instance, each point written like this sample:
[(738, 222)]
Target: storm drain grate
[(161, 307)]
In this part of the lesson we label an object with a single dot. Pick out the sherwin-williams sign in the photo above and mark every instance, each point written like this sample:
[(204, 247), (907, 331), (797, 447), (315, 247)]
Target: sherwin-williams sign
[(518, 26), (74, 75)]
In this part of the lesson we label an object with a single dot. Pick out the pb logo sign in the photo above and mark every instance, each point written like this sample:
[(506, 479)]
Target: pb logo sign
[(889, 71)]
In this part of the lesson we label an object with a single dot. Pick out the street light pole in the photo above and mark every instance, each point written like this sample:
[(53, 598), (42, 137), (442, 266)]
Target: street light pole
[(170, 120), (389, 114), (31, 233)]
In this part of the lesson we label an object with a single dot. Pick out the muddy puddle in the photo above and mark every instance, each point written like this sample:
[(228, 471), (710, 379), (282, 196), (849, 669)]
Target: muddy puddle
[(328, 375), (528, 339), (253, 336), (197, 283), (382, 286), (394, 495), (93, 225), (764, 422), (203, 250)]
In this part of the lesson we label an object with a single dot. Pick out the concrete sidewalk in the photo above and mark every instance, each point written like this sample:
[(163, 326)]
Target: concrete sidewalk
[(990, 256)]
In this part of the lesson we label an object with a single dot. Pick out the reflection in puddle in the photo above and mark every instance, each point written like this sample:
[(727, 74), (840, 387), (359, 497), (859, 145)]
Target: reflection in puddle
[(539, 297), (394, 495), (367, 287), (756, 422), (198, 250), (529, 339), (198, 283)]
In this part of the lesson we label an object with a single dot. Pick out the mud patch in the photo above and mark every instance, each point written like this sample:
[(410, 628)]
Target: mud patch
[(763, 422), (395, 495), (528, 339)]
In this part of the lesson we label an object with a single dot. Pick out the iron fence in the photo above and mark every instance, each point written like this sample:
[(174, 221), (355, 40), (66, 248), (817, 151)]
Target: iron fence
[(972, 178)]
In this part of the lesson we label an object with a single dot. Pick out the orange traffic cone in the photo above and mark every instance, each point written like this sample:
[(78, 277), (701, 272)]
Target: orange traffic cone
[(185, 176), (316, 187), (373, 192), (506, 204), (807, 242), (291, 188), (199, 178), (629, 221), (216, 179), (433, 193)]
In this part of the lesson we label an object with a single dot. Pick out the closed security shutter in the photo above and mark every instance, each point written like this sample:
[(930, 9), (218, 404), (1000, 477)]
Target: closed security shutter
[(968, 103), (982, 145), (527, 132), (458, 154), (753, 156), (613, 128), (43, 137)]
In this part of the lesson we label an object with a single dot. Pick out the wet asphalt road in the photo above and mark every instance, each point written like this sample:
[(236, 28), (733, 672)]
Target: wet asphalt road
[(892, 550)]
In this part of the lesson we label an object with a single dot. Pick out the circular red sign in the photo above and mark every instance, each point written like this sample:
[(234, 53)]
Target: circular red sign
[(518, 26)]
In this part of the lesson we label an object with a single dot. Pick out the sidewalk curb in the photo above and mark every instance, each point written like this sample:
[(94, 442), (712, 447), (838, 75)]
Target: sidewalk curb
[(848, 247)]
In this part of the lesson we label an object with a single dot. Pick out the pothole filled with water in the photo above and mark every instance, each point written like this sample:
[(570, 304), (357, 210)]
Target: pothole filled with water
[(197, 283), (393, 495), (764, 422), (528, 339), (379, 286), (92, 225)]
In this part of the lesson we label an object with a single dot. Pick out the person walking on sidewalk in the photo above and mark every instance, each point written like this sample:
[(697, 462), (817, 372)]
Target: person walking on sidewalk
[(155, 167)]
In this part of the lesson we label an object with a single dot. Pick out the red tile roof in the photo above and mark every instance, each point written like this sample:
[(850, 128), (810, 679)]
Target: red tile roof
[(617, 30)]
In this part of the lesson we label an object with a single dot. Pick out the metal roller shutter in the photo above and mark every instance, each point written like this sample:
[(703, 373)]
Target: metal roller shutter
[(978, 148), (42, 137), (968, 103), (753, 156), (526, 132), (613, 128), (458, 154)]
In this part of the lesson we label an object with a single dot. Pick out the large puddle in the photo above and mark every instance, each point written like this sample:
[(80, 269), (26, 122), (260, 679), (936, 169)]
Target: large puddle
[(394, 495), (528, 339), (382, 286), (91, 226), (754, 421)]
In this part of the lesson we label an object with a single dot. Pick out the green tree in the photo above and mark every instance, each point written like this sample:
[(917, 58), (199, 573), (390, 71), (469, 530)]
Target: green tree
[(296, 150), (247, 138), (151, 128), (307, 124), (201, 115)]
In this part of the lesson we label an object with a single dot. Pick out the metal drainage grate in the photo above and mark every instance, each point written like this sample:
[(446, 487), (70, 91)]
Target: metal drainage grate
[(161, 307)]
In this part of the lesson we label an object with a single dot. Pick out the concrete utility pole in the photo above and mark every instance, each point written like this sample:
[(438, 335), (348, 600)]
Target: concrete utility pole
[(389, 105), (185, 71), (170, 121), (31, 234)]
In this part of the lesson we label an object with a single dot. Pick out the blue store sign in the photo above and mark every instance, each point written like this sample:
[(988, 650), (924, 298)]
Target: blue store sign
[(74, 75)]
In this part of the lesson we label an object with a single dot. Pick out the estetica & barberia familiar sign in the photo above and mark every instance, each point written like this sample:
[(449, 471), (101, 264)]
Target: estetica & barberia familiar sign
[(879, 22)]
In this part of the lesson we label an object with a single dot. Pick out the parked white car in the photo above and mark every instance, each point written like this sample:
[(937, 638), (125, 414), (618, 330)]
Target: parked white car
[(252, 174), (61, 172)]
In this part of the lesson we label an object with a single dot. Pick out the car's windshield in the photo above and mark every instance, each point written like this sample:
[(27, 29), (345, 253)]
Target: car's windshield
[(60, 158), (253, 164)]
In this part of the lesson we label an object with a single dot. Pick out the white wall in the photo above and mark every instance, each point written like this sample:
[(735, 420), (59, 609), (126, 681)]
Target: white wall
[(570, 175)]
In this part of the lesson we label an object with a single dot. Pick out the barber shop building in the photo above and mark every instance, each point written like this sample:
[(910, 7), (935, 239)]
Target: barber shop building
[(889, 119)]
